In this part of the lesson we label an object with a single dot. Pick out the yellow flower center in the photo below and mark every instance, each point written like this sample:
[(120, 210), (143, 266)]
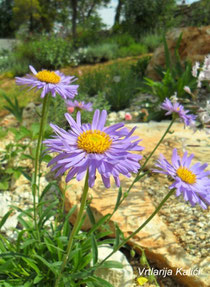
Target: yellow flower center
[(94, 141), (48, 77), (186, 175)]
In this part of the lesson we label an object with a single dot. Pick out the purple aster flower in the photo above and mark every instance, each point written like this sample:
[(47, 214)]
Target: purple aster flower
[(176, 108), (80, 105), (50, 82), (193, 182), (95, 147)]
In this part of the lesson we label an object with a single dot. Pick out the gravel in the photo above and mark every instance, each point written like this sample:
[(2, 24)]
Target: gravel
[(190, 224)]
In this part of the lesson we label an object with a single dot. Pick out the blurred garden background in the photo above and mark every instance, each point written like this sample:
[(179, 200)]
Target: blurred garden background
[(108, 45)]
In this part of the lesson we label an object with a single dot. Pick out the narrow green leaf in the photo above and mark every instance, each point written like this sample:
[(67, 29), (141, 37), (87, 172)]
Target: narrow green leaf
[(24, 173), (90, 215), (38, 278), (5, 217), (8, 265), (111, 264), (46, 189), (98, 224), (26, 156), (26, 224), (27, 213), (60, 248), (102, 282), (118, 198), (77, 258), (13, 254), (167, 53), (28, 243), (46, 263), (90, 284), (94, 249), (48, 212), (49, 244), (19, 239), (85, 261), (117, 236), (4, 185), (32, 264), (7, 285)]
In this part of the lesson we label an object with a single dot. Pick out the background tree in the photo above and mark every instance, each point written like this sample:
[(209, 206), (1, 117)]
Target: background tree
[(83, 10), (37, 15), (7, 30), (26, 12), (141, 16), (118, 12), (74, 5), (49, 11)]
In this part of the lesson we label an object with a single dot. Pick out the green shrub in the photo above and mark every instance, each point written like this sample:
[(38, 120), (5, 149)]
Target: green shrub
[(135, 49), (140, 67), (92, 83), (175, 76), (50, 53), (121, 88), (45, 52), (13, 107), (118, 83), (90, 32), (3, 61), (123, 40), (14, 65), (151, 41), (100, 53)]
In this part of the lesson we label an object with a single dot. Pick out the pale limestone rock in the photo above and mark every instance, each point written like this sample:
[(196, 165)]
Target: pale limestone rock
[(10, 223), (194, 47), (5, 200), (115, 276), (9, 121)]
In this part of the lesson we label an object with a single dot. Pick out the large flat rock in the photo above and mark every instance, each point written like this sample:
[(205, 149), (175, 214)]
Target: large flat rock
[(184, 139), (159, 242)]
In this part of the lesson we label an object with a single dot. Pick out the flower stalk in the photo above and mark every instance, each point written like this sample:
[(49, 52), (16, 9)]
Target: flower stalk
[(139, 175), (74, 230), (37, 160), (140, 227)]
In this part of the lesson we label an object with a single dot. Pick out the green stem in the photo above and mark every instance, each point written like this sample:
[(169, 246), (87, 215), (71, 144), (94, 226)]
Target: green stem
[(140, 227), (42, 138), (74, 230), (148, 266), (160, 141), (37, 156), (138, 176)]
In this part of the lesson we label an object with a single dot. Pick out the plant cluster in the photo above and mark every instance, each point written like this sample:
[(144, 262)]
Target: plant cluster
[(174, 77), (118, 83), (49, 52)]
